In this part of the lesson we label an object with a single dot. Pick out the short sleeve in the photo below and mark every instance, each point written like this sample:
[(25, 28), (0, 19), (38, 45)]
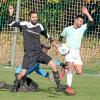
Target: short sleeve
[(64, 33), (84, 27)]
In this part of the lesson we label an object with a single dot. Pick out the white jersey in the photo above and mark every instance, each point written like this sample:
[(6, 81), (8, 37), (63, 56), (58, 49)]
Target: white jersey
[(74, 36)]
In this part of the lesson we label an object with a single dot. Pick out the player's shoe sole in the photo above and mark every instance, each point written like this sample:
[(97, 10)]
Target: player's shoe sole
[(69, 91)]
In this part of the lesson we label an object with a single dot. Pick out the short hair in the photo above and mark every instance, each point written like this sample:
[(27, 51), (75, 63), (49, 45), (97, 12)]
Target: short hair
[(79, 16), (32, 12)]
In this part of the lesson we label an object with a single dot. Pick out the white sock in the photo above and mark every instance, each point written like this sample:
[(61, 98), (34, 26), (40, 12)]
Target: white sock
[(69, 78)]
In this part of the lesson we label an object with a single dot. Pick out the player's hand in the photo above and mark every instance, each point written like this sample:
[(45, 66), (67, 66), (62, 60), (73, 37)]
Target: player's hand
[(87, 1), (85, 10), (11, 10)]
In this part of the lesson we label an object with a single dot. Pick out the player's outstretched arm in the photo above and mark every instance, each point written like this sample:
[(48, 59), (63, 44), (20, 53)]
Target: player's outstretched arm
[(11, 19), (86, 12)]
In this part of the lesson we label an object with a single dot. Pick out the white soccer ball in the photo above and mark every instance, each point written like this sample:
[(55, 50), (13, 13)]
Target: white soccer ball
[(63, 49)]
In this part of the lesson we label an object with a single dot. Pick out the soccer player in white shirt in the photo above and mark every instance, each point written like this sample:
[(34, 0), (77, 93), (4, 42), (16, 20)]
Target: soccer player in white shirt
[(74, 34)]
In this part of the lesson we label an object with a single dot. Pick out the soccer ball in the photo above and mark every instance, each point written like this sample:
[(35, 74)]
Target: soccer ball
[(63, 49)]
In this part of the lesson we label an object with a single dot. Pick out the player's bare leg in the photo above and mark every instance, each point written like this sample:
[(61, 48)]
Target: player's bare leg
[(62, 74), (79, 69), (63, 70)]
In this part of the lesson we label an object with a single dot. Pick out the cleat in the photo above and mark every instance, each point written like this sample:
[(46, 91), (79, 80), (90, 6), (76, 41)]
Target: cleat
[(16, 86), (69, 91), (61, 88), (14, 89)]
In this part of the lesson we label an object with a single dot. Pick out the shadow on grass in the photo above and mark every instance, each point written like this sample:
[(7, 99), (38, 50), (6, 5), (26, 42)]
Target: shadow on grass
[(51, 91)]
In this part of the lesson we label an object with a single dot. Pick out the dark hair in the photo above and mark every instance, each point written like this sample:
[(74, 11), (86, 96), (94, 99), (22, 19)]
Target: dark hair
[(32, 12), (79, 16)]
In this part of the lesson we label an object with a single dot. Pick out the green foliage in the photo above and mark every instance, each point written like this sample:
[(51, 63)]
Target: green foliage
[(52, 12)]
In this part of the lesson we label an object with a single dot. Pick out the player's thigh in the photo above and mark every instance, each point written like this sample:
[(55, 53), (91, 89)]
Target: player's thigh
[(78, 65), (44, 58), (79, 68), (29, 59)]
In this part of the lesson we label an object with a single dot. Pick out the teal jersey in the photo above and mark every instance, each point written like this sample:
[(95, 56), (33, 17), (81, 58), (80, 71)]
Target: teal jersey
[(74, 36), (57, 62)]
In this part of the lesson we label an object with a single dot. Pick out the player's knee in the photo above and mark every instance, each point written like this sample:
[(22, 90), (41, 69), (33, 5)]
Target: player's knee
[(79, 72), (23, 74), (53, 65)]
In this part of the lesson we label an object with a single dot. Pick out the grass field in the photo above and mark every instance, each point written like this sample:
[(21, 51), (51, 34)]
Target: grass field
[(86, 86)]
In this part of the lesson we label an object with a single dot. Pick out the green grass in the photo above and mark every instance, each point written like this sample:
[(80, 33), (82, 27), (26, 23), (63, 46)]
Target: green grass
[(87, 88)]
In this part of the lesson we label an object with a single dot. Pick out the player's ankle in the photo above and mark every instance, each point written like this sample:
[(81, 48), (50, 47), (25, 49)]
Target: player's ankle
[(15, 86)]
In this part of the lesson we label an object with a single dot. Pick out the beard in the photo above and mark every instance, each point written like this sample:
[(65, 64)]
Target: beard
[(78, 26), (34, 23)]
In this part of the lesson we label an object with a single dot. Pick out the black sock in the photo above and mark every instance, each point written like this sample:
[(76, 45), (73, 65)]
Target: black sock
[(16, 83), (15, 86), (56, 78)]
